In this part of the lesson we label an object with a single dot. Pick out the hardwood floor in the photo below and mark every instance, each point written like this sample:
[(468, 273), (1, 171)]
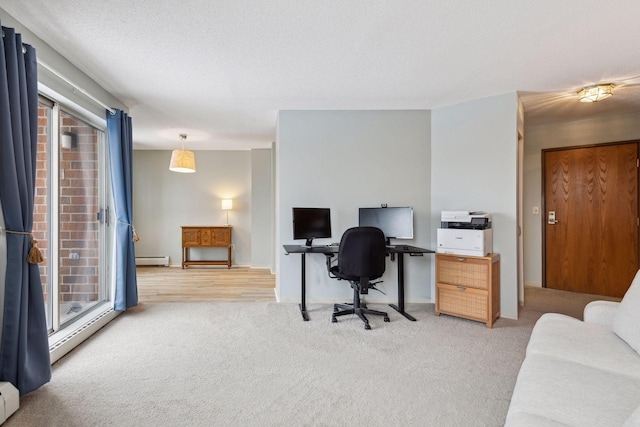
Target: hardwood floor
[(239, 284), (173, 284)]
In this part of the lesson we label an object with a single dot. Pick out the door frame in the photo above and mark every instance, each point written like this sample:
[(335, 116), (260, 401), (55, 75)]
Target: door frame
[(543, 217)]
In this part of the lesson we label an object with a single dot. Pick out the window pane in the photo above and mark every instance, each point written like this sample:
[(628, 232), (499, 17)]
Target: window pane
[(79, 227)]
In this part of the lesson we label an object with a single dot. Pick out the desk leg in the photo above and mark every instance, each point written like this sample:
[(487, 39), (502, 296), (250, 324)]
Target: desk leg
[(303, 304), (400, 307)]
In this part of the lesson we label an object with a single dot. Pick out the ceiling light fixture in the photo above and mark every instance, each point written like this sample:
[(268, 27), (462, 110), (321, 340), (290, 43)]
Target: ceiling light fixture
[(595, 93), (182, 160)]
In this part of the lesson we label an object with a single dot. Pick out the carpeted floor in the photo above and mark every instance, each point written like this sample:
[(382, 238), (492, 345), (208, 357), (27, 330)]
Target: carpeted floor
[(259, 364)]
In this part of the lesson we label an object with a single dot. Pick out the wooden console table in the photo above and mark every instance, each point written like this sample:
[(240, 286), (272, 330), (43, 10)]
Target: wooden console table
[(206, 237)]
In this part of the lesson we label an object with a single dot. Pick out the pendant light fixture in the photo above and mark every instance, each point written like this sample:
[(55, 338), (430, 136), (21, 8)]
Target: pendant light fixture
[(595, 93), (182, 160)]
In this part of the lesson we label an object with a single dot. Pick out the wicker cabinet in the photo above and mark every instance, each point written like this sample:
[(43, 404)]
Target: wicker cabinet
[(206, 237), (468, 286)]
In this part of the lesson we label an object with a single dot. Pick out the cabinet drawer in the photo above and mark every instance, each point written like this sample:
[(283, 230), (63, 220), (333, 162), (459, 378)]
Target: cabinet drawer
[(465, 302), (463, 271), (221, 236), (215, 237), (190, 237)]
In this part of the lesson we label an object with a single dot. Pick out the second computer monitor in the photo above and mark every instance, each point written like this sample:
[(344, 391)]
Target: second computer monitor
[(395, 223)]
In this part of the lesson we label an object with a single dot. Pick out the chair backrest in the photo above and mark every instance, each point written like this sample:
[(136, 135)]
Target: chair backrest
[(362, 253)]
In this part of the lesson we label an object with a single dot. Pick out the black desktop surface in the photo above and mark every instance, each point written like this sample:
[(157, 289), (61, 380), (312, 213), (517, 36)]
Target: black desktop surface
[(315, 249), (407, 249), (327, 249)]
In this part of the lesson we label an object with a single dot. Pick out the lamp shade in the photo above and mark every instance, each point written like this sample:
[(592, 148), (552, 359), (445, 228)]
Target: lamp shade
[(595, 93), (227, 204), (182, 161)]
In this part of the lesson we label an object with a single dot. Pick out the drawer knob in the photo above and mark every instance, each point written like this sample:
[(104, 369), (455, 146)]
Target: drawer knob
[(462, 288), (462, 259)]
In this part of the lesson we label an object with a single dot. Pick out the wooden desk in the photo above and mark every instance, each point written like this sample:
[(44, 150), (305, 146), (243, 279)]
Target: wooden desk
[(206, 237)]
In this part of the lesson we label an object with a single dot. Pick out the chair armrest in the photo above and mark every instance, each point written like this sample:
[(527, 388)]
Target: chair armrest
[(600, 312)]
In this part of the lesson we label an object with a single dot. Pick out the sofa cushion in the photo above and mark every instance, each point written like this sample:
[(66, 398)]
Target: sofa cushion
[(571, 394), (627, 317), (634, 419), (589, 344)]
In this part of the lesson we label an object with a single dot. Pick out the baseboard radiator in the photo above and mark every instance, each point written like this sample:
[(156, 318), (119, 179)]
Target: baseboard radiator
[(153, 260)]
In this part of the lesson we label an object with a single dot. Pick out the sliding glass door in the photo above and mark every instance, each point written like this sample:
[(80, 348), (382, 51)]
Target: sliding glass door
[(71, 214), (42, 202), (80, 225)]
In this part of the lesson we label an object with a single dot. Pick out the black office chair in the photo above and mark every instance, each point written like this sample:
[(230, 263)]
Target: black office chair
[(361, 258)]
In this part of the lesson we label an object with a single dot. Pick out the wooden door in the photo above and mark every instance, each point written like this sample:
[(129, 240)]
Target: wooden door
[(592, 246)]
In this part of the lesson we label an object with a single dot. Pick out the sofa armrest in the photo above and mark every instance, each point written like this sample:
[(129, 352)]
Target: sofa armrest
[(600, 312)]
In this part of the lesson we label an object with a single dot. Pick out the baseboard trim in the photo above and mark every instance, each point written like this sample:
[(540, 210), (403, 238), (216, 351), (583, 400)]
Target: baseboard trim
[(62, 342)]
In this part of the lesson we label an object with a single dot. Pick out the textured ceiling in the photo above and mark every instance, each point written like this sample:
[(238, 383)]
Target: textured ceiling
[(220, 70)]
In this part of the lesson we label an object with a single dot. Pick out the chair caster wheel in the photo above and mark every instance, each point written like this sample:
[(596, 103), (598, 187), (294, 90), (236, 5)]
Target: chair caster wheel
[(367, 326), (334, 320), (386, 319)]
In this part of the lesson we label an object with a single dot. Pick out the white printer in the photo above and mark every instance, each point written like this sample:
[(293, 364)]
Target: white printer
[(465, 233)]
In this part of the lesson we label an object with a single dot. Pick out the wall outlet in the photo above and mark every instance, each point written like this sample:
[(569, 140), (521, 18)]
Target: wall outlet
[(535, 210), (233, 247), (74, 255)]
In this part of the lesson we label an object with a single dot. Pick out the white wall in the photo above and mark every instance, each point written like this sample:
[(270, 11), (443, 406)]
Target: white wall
[(595, 130), (474, 153), (261, 208), (164, 201), (344, 160), (45, 53)]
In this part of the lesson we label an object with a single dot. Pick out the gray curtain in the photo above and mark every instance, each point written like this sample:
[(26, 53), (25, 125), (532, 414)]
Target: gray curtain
[(24, 347)]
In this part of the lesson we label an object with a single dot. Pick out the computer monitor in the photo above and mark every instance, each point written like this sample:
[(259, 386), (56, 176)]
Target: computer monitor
[(395, 223), (311, 223)]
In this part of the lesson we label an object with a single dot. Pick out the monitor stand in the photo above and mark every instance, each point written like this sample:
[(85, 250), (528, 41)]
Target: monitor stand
[(307, 243)]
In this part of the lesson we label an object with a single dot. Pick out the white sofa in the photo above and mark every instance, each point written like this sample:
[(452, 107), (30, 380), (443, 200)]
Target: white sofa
[(579, 373)]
